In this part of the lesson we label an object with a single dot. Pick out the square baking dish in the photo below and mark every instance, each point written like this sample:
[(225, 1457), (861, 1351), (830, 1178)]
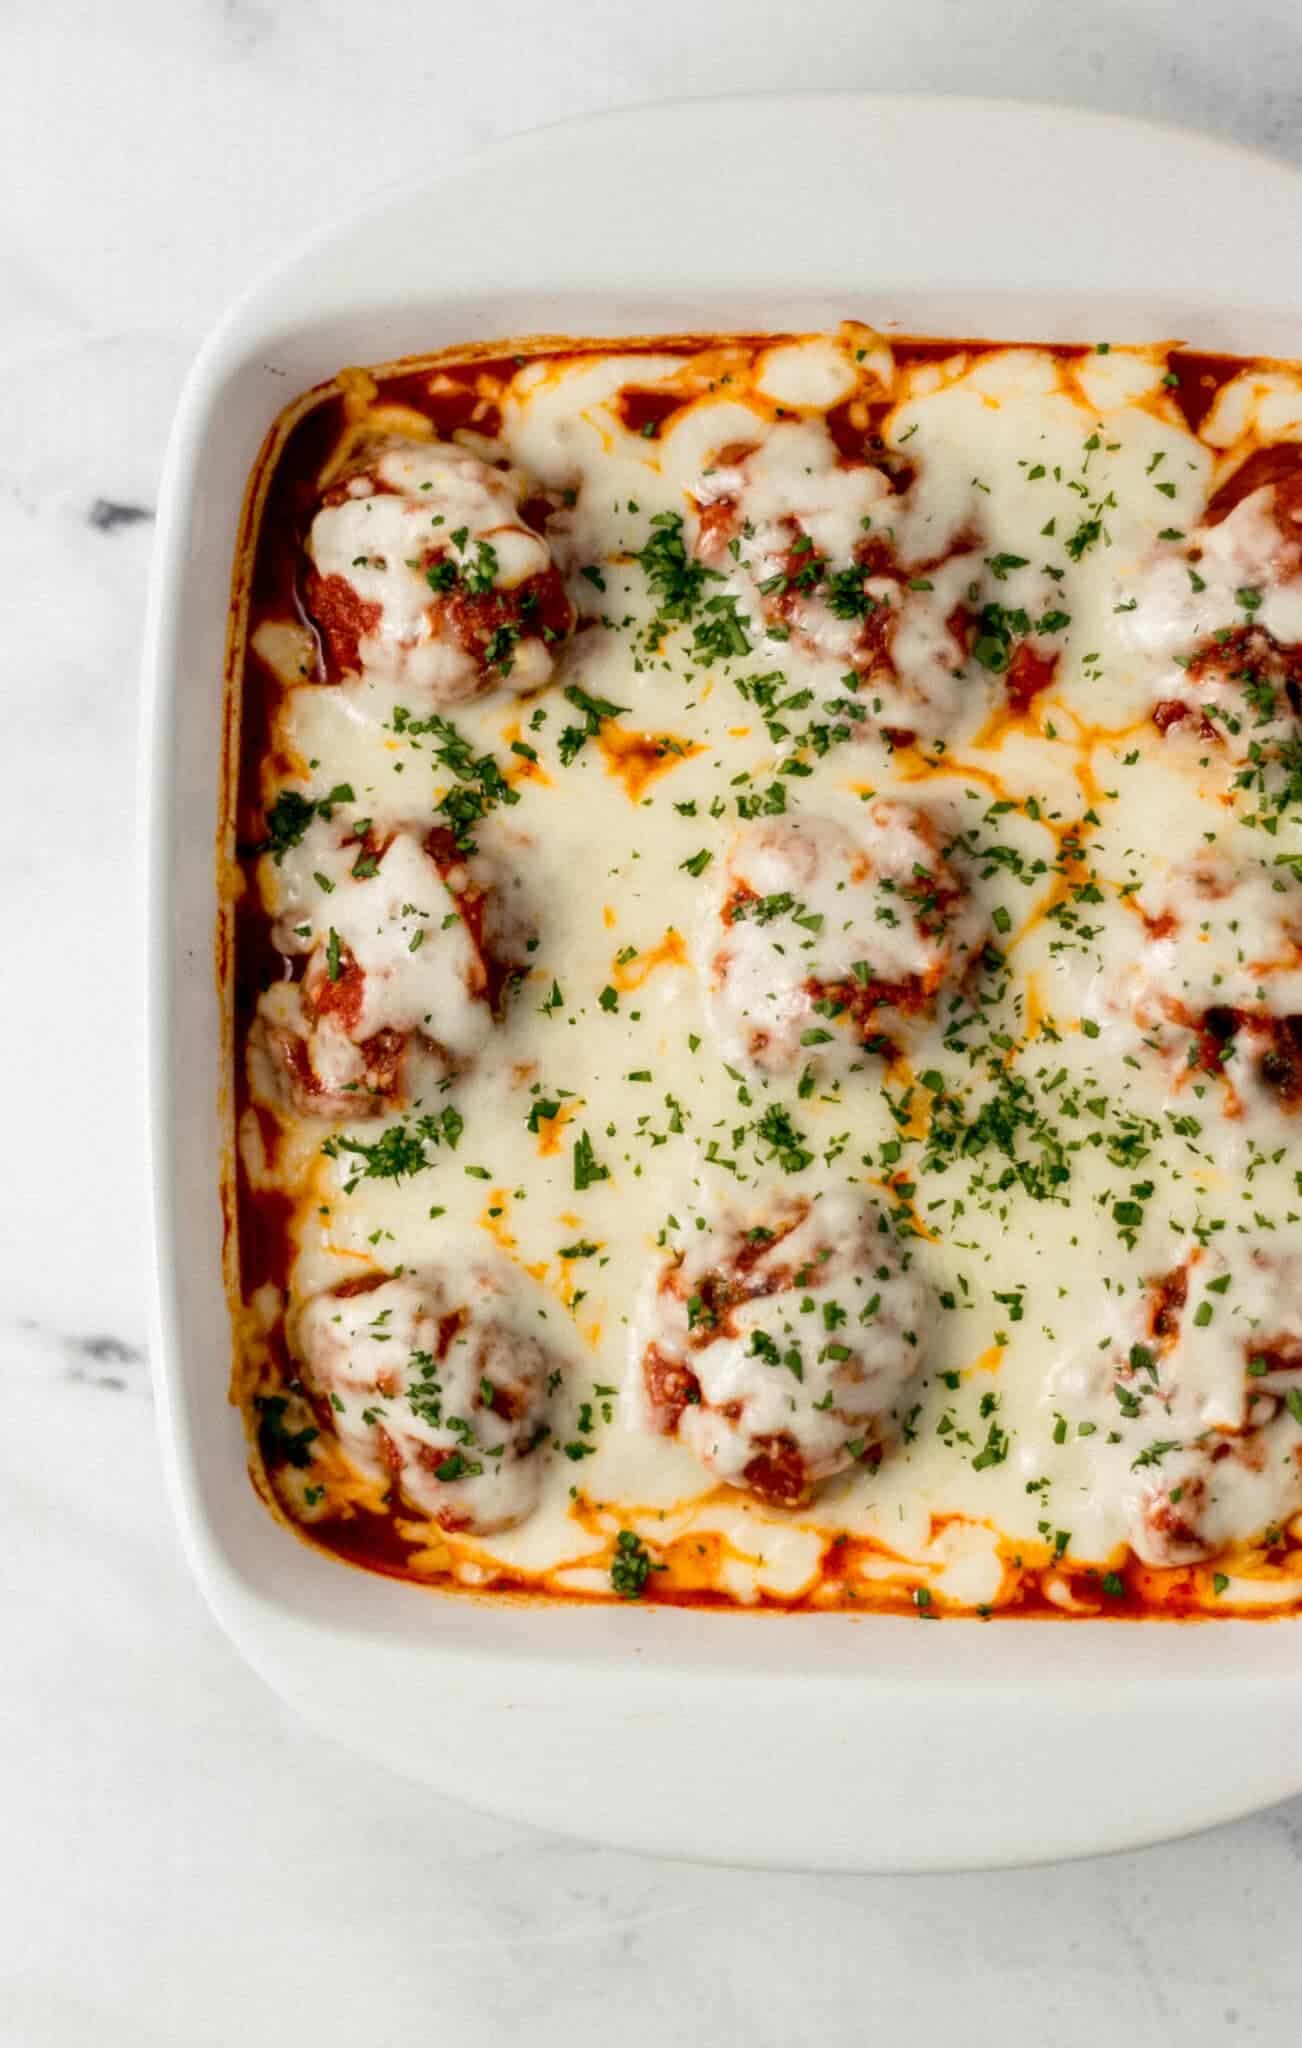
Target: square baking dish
[(818, 1741)]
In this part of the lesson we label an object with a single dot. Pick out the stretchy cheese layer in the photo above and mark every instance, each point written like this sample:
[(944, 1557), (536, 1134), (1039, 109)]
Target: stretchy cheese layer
[(768, 977)]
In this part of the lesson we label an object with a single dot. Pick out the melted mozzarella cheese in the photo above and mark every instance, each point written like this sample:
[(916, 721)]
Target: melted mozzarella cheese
[(1224, 934), (401, 923), (1213, 594), (1041, 1145), (378, 540), (809, 917), (806, 1347), (436, 1381), (1209, 1447), (795, 474), (1189, 593)]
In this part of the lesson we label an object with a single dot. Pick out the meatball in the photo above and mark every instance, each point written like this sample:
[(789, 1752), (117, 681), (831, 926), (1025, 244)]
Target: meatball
[(426, 574), (1216, 618), (776, 517), (776, 1345), (432, 1380), (1011, 636), (409, 947), (802, 535), (1217, 986), (818, 940), (810, 541), (1194, 1406)]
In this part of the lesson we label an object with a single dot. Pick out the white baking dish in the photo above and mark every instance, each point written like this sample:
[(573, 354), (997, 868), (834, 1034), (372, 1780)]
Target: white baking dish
[(827, 1741)]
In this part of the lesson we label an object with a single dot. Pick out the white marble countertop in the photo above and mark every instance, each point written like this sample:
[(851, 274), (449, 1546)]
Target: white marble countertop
[(180, 1862)]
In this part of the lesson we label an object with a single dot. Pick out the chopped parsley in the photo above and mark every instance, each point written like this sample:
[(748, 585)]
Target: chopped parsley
[(631, 1566), (292, 813), (588, 1169), (480, 785), (280, 1445), (400, 1151), (575, 737), (677, 580)]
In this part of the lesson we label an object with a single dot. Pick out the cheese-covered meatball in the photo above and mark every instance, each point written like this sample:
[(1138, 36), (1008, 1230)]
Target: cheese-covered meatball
[(821, 942), (434, 1380), (1194, 1409), (1216, 987), (822, 550), (426, 575), (777, 518), (408, 948), (803, 536), (1216, 616), (776, 1344)]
